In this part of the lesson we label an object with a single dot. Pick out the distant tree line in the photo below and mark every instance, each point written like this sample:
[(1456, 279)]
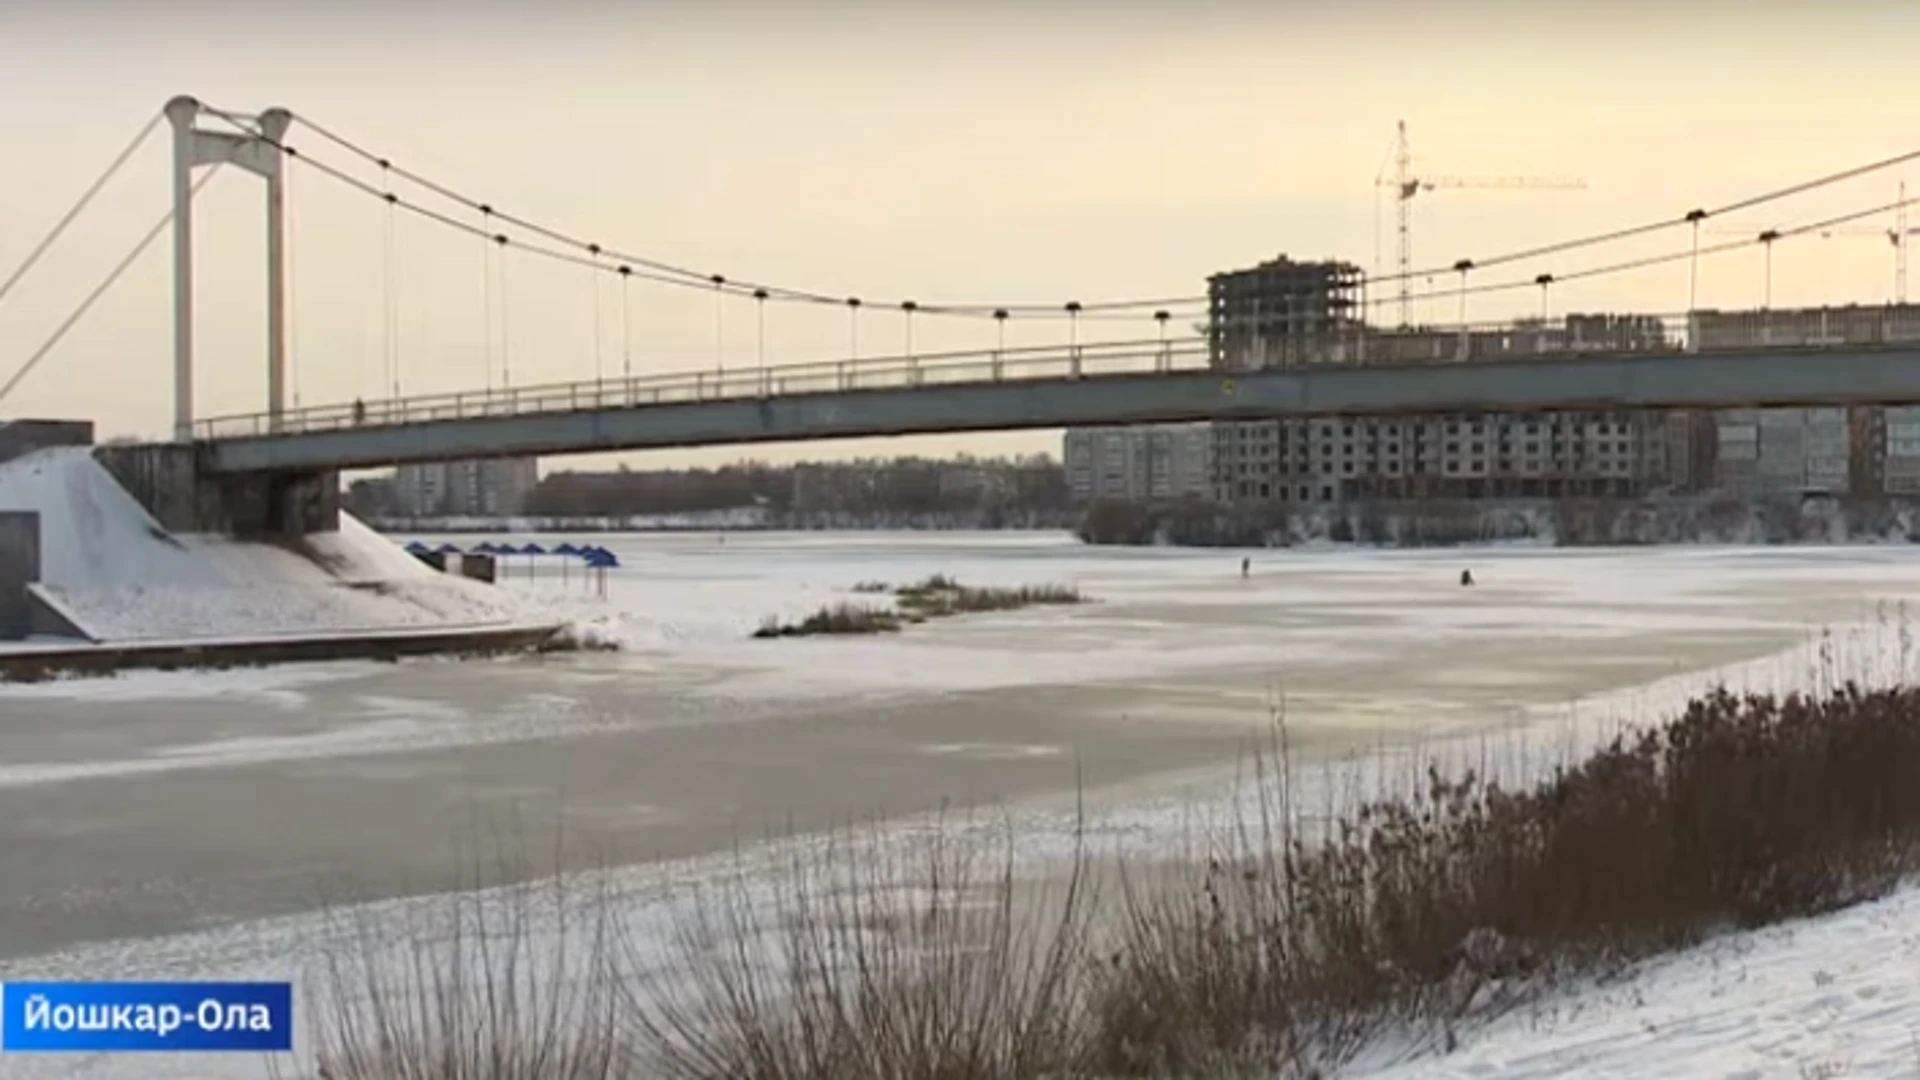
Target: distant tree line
[(1711, 518), (964, 492)]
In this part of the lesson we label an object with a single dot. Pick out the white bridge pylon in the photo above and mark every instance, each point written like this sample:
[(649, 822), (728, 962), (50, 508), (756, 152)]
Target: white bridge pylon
[(261, 155)]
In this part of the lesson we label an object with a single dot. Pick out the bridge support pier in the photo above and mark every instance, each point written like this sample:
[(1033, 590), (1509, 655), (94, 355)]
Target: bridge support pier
[(168, 480), (261, 155)]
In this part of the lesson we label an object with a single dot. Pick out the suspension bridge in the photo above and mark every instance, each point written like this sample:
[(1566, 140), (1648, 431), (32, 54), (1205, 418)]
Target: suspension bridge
[(1690, 359)]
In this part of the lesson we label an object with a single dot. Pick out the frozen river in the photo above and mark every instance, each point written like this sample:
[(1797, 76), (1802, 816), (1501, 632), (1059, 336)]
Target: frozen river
[(185, 824)]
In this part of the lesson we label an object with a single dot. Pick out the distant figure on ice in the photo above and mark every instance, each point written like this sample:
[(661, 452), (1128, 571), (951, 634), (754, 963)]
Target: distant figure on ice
[(1245, 566), (1466, 577), (359, 412)]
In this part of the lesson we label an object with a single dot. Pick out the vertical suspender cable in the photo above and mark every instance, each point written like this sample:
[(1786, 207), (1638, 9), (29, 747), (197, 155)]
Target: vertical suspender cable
[(760, 319), (506, 338), (593, 278), (486, 292), (393, 290), (293, 304), (626, 324), (719, 325), (387, 284)]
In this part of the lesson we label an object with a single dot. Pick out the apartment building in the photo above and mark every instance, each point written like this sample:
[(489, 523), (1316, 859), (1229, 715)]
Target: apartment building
[(493, 487), (1451, 456), (1143, 463)]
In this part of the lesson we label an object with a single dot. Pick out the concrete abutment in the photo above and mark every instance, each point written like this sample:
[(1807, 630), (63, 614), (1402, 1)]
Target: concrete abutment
[(169, 480)]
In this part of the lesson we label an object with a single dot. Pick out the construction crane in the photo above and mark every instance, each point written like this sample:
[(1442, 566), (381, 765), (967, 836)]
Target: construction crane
[(1406, 185), (1896, 236)]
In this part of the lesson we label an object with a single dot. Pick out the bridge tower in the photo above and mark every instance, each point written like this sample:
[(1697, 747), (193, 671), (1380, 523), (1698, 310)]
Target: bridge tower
[(258, 153)]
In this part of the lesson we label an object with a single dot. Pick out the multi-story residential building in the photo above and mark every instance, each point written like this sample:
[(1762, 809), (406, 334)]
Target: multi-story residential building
[(1142, 463), (493, 487), (1284, 312), (1451, 456)]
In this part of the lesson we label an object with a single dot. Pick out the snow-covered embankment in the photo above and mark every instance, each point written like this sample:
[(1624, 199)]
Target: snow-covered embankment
[(110, 569)]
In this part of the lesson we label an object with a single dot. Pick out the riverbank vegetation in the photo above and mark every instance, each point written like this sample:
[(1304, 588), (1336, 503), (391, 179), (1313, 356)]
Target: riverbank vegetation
[(935, 597), (1293, 946)]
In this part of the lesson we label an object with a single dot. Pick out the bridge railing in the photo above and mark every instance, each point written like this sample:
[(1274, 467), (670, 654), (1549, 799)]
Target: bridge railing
[(1232, 347)]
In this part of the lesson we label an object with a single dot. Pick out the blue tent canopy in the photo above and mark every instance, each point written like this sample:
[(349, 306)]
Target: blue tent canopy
[(486, 547), (448, 549), (566, 548), (417, 547), (601, 558), (533, 549)]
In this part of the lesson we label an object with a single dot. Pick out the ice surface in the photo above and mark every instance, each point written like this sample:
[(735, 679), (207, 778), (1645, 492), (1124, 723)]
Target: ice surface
[(1814, 998)]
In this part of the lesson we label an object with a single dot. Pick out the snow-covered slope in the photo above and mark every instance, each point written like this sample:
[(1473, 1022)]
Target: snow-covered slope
[(1833, 997), (115, 571)]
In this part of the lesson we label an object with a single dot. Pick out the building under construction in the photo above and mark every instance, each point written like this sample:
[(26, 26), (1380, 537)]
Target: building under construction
[(1280, 311), (1283, 313)]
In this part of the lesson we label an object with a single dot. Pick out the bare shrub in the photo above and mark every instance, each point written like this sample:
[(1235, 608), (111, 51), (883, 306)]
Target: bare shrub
[(1289, 954), (1285, 953), (513, 983), (863, 963), (837, 619)]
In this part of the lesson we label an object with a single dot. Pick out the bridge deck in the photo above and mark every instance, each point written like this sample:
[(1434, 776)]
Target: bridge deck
[(1040, 389)]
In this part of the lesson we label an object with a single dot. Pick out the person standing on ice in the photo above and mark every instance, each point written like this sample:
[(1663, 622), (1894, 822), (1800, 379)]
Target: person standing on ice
[(359, 412), (1246, 565)]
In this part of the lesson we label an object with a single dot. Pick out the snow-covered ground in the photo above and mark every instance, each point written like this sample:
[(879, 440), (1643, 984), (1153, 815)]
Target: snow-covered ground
[(110, 568), (1789, 1002), (1835, 998)]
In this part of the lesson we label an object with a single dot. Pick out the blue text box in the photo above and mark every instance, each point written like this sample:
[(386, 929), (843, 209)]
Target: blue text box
[(93, 1017)]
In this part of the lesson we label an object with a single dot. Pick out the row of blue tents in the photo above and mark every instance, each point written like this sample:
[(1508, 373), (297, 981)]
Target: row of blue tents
[(591, 554)]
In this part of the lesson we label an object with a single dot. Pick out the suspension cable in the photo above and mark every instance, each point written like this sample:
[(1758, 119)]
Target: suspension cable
[(1115, 308), (101, 289), (79, 207), (747, 287)]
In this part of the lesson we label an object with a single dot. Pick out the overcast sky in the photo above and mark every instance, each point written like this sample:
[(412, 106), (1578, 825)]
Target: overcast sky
[(979, 151)]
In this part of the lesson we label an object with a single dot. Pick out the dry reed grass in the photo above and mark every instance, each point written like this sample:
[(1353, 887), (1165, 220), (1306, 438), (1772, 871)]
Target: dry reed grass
[(1282, 956)]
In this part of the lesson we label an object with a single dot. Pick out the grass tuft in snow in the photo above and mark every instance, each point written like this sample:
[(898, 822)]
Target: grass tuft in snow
[(837, 619), (869, 961), (937, 597), (940, 596)]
